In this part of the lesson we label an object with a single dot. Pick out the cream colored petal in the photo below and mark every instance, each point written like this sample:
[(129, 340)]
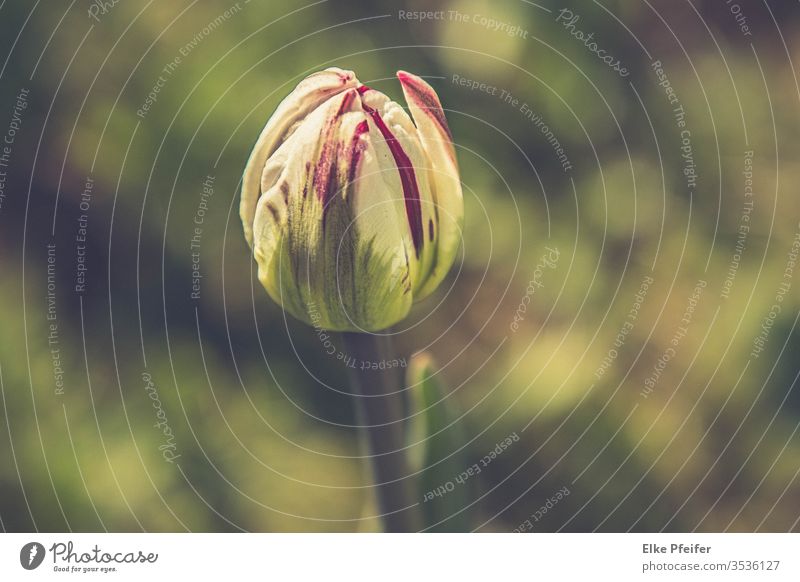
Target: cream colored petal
[(417, 215), (444, 178), (329, 251), (309, 94)]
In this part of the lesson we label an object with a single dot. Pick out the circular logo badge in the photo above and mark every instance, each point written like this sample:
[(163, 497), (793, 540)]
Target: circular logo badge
[(31, 555)]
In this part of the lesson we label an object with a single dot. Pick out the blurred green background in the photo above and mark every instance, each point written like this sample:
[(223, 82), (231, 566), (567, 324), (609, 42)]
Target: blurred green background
[(253, 427)]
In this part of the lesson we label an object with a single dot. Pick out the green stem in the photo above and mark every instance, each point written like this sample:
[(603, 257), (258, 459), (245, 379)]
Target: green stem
[(381, 414)]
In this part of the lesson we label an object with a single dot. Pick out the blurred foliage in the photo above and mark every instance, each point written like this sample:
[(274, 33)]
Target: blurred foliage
[(261, 418)]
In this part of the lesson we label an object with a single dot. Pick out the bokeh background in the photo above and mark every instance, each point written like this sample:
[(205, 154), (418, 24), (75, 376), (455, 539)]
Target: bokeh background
[(252, 428)]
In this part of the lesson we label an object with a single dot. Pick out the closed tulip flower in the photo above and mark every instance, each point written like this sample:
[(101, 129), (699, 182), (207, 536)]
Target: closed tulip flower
[(353, 209)]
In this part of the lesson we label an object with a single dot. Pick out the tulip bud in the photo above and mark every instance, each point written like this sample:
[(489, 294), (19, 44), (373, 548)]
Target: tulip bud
[(353, 211)]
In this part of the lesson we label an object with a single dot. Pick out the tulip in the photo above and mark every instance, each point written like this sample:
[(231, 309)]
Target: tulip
[(353, 209)]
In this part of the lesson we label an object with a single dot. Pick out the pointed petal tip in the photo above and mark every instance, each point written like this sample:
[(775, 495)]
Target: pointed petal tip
[(345, 75), (346, 103), (418, 90), (413, 82), (416, 85)]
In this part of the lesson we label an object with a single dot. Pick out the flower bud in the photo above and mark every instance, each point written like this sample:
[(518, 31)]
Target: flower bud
[(353, 211)]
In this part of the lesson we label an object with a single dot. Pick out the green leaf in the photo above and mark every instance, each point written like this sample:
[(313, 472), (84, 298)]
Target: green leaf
[(434, 437)]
